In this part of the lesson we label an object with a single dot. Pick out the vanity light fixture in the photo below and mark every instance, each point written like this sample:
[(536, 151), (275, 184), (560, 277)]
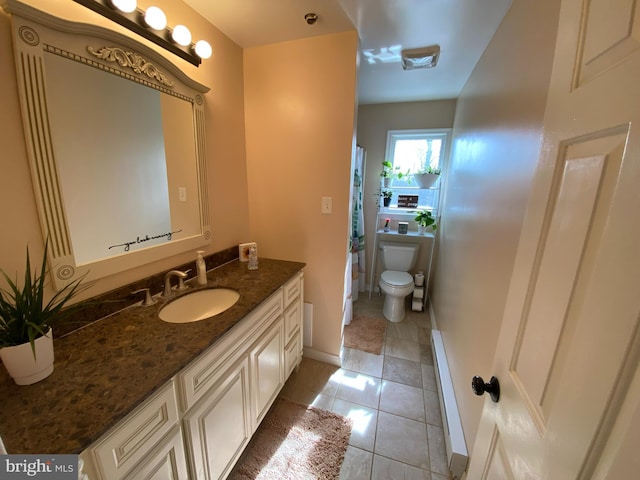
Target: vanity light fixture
[(416, 58), (155, 18), (152, 25), (126, 6)]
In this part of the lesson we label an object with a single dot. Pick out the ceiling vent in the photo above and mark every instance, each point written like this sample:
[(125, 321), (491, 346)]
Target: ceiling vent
[(424, 57)]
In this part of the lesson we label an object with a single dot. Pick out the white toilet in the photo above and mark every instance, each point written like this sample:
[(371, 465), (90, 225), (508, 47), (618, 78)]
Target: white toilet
[(395, 282)]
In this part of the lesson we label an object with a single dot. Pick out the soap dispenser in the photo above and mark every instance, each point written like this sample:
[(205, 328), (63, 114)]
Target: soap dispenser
[(201, 268)]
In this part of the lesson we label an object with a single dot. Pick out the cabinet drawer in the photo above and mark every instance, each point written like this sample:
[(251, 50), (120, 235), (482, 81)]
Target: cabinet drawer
[(292, 290), (167, 461), (292, 354), (134, 437), (195, 380), (292, 320)]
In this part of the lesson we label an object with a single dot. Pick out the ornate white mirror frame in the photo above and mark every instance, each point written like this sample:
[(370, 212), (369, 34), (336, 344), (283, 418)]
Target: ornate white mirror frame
[(37, 34)]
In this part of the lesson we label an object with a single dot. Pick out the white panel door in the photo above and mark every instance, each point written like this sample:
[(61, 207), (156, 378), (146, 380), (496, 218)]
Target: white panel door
[(567, 357)]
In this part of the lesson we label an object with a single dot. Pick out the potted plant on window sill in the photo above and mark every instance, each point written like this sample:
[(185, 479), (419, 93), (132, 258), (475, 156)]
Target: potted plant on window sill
[(387, 173), (386, 197), (427, 177), (425, 219), (26, 321)]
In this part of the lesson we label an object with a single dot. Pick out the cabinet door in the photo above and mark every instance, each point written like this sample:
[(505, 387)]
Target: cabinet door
[(267, 369), (167, 462), (219, 427)]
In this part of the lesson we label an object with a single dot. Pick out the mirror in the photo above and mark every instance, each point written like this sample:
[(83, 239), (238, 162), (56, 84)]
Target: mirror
[(114, 136)]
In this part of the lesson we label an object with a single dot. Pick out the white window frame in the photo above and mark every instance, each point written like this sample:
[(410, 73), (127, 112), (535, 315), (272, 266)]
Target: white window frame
[(392, 137)]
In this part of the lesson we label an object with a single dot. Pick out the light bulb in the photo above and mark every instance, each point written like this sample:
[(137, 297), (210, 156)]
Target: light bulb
[(155, 18), (181, 35), (126, 6), (203, 49)]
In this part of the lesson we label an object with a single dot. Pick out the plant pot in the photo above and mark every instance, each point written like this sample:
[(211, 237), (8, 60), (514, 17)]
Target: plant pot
[(386, 182), (426, 180), (23, 368), (421, 229), (386, 201)]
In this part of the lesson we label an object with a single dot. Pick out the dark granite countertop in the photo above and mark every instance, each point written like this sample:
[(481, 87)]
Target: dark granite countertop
[(104, 370)]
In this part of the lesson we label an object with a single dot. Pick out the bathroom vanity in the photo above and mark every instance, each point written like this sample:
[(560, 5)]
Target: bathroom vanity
[(136, 396)]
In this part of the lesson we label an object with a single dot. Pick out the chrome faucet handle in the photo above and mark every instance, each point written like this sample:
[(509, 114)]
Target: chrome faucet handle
[(181, 285), (148, 299), (167, 281)]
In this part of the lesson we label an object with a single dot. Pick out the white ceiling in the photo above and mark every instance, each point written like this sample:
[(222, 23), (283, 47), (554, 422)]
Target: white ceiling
[(462, 28)]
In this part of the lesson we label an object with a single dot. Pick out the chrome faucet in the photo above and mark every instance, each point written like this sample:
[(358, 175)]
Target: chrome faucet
[(167, 282)]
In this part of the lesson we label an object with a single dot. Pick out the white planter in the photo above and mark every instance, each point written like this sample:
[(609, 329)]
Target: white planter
[(421, 229), (23, 368), (425, 180)]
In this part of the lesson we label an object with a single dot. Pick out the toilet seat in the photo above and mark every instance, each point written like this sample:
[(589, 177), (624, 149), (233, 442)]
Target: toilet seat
[(394, 278)]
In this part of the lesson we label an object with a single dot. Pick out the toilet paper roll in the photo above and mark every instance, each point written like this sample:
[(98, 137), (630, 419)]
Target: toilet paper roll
[(416, 305), (418, 292), (419, 279)]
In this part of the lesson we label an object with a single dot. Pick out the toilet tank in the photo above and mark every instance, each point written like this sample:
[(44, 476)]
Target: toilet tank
[(398, 256)]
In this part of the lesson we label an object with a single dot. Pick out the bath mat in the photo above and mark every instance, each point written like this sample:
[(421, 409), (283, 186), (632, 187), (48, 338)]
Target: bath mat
[(295, 442), (365, 333)]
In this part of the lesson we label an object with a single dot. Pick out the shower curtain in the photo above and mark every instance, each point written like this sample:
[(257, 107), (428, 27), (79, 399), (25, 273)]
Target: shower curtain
[(357, 219)]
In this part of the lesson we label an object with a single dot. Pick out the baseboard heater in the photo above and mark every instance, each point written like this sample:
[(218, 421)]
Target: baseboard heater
[(457, 456)]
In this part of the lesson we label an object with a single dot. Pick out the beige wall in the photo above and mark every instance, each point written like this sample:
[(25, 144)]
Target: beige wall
[(225, 143), (496, 144), (373, 123), (299, 108)]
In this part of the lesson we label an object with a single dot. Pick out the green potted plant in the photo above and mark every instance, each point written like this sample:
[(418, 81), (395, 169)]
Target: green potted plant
[(26, 321), (427, 176), (389, 173), (425, 219), (386, 197)]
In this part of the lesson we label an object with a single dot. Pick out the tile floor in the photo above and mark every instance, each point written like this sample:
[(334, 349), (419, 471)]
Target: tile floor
[(391, 398)]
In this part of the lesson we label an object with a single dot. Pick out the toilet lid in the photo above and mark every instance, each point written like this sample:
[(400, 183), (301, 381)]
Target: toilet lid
[(393, 277)]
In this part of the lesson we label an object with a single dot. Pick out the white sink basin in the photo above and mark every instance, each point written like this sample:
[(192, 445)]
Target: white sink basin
[(199, 305)]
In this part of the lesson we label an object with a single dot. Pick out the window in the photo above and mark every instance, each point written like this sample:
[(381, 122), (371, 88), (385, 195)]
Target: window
[(412, 151)]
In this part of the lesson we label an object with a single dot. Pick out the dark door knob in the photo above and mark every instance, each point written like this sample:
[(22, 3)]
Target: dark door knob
[(493, 387)]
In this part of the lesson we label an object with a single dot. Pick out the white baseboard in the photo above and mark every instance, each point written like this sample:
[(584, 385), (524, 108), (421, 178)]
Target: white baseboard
[(321, 356), (432, 315)]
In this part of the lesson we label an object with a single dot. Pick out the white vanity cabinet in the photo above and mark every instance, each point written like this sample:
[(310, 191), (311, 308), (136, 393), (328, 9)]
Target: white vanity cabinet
[(197, 426)]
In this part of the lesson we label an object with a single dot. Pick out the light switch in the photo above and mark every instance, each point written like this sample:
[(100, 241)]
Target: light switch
[(182, 194), (327, 205)]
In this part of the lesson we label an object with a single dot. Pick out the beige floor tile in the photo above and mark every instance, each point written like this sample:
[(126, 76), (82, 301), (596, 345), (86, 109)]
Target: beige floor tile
[(432, 408), (402, 349), (424, 336), (402, 371), (437, 450), (403, 400), (387, 469), (358, 388), (365, 421), (426, 355), (428, 377), (405, 330), (402, 439), (357, 464), (363, 362)]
